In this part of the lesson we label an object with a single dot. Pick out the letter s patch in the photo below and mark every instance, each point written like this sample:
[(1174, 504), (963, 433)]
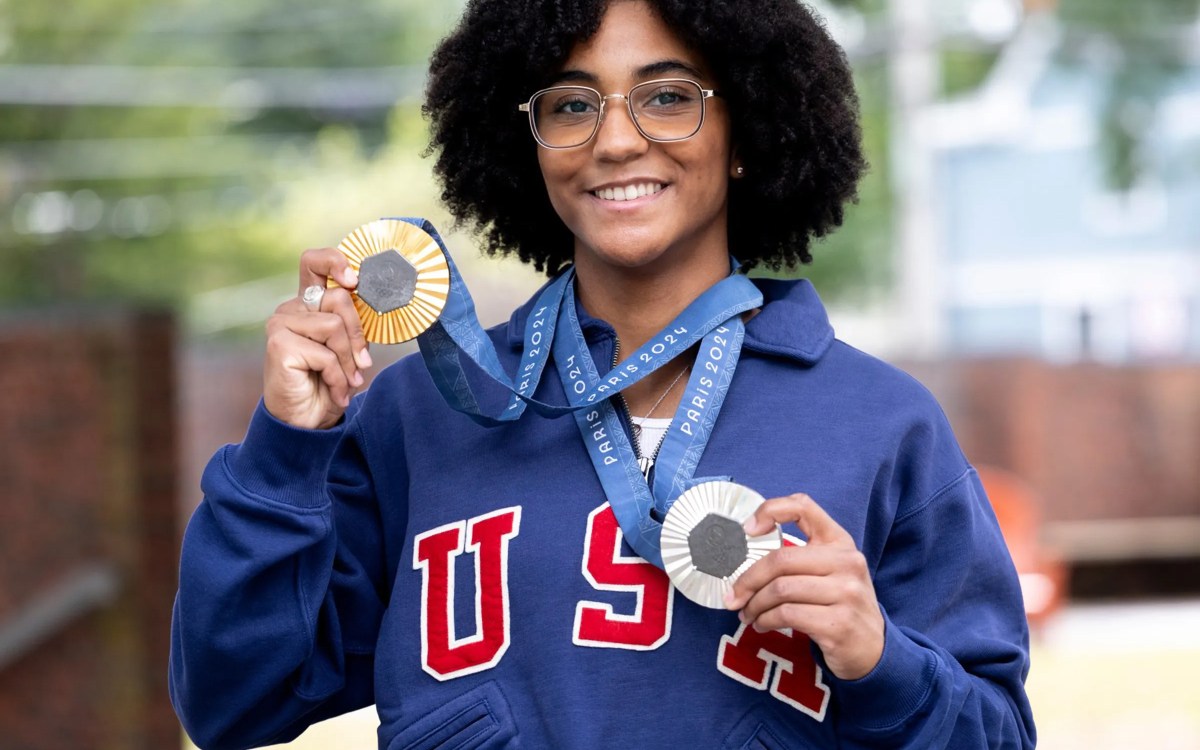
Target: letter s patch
[(606, 569)]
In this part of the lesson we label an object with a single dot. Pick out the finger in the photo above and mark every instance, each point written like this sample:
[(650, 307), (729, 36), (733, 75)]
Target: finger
[(323, 263), (814, 620), (339, 302), (295, 351), (329, 329), (790, 589), (851, 640), (315, 267), (291, 306), (787, 561), (841, 579), (817, 525)]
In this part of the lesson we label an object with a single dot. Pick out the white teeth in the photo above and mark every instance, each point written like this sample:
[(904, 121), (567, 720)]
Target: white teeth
[(628, 192)]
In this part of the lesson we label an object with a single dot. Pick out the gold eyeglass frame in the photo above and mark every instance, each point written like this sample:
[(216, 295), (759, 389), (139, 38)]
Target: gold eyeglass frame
[(705, 94)]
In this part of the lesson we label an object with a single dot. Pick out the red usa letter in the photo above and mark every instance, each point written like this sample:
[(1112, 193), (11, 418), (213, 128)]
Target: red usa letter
[(747, 656), (596, 624), (442, 654)]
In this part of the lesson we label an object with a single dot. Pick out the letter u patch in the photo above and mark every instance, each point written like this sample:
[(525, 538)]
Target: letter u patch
[(443, 655)]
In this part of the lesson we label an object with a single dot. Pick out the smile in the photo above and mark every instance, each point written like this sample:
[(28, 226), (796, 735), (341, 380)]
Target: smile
[(628, 192)]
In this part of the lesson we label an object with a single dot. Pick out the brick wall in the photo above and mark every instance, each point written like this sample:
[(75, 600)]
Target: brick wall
[(1093, 442), (88, 530), (219, 388)]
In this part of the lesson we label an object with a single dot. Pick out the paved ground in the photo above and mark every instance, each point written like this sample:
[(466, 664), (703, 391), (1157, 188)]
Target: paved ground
[(1119, 676), (1104, 677)]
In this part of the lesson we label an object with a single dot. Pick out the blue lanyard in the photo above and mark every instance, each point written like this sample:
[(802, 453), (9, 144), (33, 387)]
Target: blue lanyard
[(637, 506), (713, 320)]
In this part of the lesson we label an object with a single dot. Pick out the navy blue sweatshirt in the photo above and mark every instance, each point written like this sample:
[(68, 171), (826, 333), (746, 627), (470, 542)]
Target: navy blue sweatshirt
[(474, 585)]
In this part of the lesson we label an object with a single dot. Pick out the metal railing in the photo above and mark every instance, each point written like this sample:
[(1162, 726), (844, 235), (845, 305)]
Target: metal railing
[(83, 591)]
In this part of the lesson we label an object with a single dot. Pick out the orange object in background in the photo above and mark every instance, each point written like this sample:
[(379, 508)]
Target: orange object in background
[(1043, 573)]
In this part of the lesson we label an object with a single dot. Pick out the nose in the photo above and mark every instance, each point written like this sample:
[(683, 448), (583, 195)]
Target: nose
[(617, 138)]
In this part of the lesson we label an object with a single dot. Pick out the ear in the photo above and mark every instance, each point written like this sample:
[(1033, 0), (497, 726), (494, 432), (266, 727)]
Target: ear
[(736, 170)]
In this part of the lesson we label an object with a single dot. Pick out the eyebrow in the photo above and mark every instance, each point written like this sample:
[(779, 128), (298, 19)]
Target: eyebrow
[(646, 71)]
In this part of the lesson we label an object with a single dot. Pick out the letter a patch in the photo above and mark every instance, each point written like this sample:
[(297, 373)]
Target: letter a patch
[(749, 657)]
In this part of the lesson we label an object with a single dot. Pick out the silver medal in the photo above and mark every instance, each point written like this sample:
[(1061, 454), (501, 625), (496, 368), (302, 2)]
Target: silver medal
[(704, 546)]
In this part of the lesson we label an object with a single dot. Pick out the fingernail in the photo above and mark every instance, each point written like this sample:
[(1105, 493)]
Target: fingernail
[(350, 278), (358, 379), (364, 359), (729, 599), (750, 525), (741, 617), (758, 628)]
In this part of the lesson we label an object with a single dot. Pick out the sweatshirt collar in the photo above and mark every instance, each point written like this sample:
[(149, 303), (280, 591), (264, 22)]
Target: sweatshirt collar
[(791, 324)]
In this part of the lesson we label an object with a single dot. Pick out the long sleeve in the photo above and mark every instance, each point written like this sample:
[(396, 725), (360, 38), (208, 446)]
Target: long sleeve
[(282, 587), (956, 642)]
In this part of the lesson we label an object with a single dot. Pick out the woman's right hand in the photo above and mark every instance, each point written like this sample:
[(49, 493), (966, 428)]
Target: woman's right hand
[(315, 358)]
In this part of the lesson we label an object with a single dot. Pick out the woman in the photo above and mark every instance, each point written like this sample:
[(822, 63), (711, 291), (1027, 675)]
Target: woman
[(319, 574)]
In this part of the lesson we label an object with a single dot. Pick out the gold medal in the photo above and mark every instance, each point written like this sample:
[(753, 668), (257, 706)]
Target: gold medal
[(403, 279), (704, 546)]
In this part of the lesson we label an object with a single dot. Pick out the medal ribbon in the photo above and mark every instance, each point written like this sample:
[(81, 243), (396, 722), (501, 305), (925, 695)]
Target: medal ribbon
[(638, 506), (713, 319)]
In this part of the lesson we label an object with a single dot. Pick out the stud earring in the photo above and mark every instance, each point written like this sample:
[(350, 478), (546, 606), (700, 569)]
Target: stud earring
[(740, 171)]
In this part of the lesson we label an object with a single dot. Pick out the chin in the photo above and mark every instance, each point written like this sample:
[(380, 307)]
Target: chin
[(627, 256), (624, 249)]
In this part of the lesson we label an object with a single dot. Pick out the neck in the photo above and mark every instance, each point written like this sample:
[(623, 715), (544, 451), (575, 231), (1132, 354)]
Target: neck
[(640, 302)]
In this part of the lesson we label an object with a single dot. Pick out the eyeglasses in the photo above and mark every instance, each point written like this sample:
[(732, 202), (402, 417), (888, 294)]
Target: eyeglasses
[(668, 109)]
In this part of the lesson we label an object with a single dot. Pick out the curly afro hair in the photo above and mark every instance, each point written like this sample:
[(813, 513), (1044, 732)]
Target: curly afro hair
[(791, 97)]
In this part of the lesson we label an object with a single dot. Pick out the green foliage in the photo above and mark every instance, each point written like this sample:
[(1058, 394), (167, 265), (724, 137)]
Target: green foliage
[(866, 7), (167, 203), (855, 261), (1135, 21), (196, 197), (192, 197), (1141, 46), (964, 69)]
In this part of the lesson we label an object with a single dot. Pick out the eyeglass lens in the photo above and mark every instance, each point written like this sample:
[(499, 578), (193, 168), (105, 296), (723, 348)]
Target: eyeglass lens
[(567, 116)]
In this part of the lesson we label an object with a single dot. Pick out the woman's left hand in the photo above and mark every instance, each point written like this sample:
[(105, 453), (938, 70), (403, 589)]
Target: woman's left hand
[(822, 589)]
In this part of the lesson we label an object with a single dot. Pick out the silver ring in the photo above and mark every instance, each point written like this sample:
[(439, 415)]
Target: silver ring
[(312, 296)]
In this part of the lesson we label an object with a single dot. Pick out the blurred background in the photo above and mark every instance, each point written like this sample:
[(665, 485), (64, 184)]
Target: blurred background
[(1027, 244)]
